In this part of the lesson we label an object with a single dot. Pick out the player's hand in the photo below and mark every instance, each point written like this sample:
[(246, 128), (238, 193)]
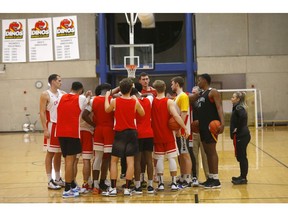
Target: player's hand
[(187, 133), (108, 93), (88, 93), (46, 134), (221, 129)]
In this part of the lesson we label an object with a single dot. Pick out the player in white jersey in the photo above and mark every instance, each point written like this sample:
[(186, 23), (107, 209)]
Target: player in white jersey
[(49, 100)]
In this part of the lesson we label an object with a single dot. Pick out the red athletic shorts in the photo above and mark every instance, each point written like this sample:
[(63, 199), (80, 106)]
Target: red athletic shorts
[(52, 144), (103, 139), (87, 144)]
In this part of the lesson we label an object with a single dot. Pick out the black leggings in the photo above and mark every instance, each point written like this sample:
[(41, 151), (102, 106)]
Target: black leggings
[(241, 154), (193, 159)]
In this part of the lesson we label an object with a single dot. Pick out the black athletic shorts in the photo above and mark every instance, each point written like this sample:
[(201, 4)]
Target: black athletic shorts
[(145, 144), (206, 136), (182, 145), (70, 146), (125, 143)]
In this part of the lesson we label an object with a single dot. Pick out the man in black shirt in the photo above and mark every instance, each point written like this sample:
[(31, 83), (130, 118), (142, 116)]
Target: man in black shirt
[(209, 109)]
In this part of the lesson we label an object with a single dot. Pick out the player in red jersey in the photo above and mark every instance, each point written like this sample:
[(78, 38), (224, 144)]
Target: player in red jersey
[(164, 139), (68, 132), (144, 80), (86, 137), (145, 141), (125, 142), (49, 100), (103, 135)]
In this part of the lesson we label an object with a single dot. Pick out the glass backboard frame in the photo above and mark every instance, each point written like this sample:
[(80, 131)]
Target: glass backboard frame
[(121, 54)]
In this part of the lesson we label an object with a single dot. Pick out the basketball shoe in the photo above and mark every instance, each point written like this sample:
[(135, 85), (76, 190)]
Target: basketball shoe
[(53, 186), (60, 182)]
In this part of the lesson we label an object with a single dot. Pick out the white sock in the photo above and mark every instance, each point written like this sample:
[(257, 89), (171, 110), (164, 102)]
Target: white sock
[(187, 178), (49, 177), (150, 183), (96, 184), (215, 176), (57, 176), (137, 184), (210, 175)]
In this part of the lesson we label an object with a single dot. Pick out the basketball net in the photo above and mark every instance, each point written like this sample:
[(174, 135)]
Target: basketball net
[(131, 69)]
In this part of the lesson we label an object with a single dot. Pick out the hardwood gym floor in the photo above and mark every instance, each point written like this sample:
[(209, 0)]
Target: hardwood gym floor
[(23, 178)]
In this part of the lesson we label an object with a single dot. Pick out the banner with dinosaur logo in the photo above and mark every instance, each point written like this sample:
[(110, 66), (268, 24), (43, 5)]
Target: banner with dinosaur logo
[(14, 40), (65, 38), (40, 39)]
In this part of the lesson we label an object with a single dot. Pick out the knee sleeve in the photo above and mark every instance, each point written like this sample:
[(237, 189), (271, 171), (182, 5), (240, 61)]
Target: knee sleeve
[(172, 165), (160, 165), (97, 160)]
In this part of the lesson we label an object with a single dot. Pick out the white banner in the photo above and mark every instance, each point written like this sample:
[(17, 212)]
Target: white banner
[(40, 39), (14, 40), (65, 38)]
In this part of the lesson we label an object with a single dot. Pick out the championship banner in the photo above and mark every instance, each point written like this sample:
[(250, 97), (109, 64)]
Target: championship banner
[(65, 38), (40, 39), (14, 40)]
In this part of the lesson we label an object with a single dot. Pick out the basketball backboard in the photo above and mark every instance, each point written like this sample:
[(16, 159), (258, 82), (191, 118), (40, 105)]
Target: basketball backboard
[(141, 55)]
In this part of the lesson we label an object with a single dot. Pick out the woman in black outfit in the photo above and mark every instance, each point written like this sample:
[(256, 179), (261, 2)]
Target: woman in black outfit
[(240, 134)]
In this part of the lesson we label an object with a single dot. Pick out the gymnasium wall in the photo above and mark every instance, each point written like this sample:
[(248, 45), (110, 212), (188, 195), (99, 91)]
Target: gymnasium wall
[(19, 95), (253, 44)]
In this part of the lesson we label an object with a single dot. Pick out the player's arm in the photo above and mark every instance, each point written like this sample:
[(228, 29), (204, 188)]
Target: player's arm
[(193, 97), (86, 115), (139, 108), (44, 99), (215, 95), (109, 107), (177, 117), (84, 100), (115, 90)]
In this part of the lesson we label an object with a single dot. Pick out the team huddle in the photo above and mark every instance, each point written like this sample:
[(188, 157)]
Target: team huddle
[(130, 123)]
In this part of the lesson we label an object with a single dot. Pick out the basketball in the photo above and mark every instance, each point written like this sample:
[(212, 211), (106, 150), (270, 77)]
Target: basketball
[(173, 124), (195, 126), (214, 126)]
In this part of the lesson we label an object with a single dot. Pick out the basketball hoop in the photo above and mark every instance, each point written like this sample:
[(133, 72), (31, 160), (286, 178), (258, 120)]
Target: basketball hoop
[(131, 69)]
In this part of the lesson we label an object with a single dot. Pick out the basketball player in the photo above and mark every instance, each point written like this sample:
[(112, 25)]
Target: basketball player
[(144, 80), (164, 140), (68, 132), (49, 100), (103, 136), (240, 134), (125, 141), (145, 141), (209, 109), (197, 146), (86, 137), (182, 104)]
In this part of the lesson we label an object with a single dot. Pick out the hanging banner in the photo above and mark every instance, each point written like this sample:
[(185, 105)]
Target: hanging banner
[(65, 38), (40, 39), (14, 40)]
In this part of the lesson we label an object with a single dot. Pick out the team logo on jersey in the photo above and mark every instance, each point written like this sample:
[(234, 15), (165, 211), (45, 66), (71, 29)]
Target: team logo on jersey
[(66, 28), (40, 30), (15, 31)]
